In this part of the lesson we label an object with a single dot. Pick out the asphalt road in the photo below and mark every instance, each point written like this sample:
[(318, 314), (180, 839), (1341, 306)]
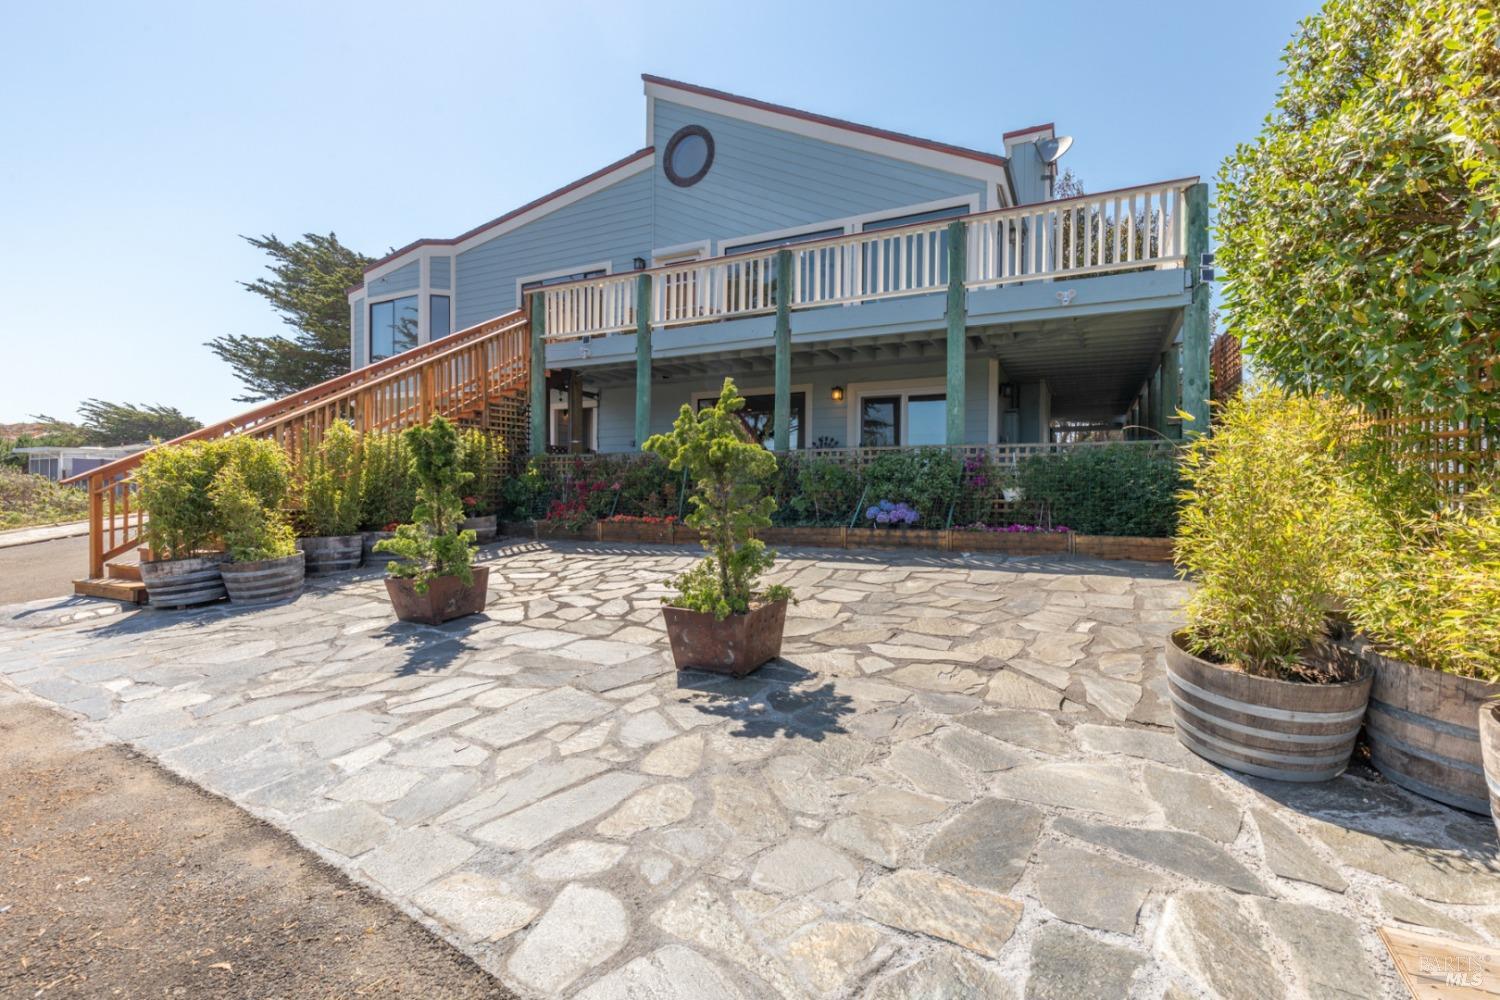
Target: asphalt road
[(42, 569)]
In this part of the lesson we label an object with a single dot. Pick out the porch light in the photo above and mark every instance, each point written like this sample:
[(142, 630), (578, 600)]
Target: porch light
[(639, 263), (837, 393)]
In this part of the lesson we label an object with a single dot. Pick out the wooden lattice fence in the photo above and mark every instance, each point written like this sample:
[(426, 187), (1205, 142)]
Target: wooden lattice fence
[(1460, 454)]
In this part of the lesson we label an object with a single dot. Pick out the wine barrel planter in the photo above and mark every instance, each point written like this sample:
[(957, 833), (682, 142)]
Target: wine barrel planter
[(485, 528), (1263, 726), (1489, 745), (264, 580), (182, 583), (1422, 730), (734, 645), (332, 553), (367, 541), (447, 597)]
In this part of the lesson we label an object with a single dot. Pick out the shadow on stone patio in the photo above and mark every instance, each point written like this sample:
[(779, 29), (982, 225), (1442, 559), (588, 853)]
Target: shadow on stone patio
[(764, 712)]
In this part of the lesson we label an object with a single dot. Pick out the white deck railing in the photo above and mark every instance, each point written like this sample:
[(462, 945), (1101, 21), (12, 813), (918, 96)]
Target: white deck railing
[(1130, 229)]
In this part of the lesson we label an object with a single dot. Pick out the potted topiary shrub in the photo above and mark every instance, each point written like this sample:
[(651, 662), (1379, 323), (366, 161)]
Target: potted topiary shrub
[(719, 621), (1427, 609), (328, 483), (1255, 681), (264, 563), (174, 484), (387, 492), (433, 578), (480, 455)]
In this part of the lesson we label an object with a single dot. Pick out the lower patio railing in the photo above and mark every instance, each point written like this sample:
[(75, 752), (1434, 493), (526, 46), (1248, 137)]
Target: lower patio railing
[(1100, 488)]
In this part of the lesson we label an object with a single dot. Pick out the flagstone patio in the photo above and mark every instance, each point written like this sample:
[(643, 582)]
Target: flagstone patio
[(959, 781)]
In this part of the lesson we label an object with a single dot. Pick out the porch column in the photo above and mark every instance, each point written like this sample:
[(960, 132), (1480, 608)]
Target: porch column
[(957, 330), (575, 412), (538, 376), (1153, 396), (781, 417), (1195, 379), (1169, 364), (642, 359)]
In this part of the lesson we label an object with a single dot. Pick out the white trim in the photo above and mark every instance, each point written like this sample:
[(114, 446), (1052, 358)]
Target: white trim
[(806, 388), (895, 149), (679, 254), (601, 265), (557, 401), (905, 388)]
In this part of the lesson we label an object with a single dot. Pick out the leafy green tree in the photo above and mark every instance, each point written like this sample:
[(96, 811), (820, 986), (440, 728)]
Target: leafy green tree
[(308, 286), (729, 502), (125, 423), (1360, 231), (435, 544)]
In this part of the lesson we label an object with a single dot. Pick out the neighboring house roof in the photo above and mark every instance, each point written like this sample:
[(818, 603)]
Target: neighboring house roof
[(887, 142)]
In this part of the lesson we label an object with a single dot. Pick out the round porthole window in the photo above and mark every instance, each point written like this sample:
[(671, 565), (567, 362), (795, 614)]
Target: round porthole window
[(690, 152)]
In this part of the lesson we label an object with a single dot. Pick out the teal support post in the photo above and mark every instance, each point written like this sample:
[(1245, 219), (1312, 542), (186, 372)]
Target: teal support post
[(1195, 378), (1153, 397), (1169, 402), (957, 330), (642, 359), (538, 376), (781, 418)]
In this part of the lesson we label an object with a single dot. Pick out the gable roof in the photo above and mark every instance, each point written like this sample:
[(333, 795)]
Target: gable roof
[(855, 128)]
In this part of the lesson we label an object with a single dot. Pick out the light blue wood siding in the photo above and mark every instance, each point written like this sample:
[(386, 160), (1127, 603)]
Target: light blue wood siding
[(613, 224), (764, 179), (1026, 172), (828, 419), (404, 278), (441, 268), (359, 344)]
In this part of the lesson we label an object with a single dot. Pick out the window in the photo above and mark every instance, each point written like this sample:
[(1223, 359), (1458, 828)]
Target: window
[(759, 418), (781, 241), (892, 416), (562, 422), (559, 279), (439, 318), (690, 152), (951, 212), (393, 327)]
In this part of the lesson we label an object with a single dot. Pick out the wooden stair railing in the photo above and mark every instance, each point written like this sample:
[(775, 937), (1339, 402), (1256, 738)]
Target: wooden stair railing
[(456, 376)]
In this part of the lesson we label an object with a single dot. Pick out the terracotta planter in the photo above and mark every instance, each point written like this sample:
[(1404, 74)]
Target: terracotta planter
[(736, 645), (485, 528), (181, 583), (1271, 728), (332, 553), (1422, 730), (1489, 745), (447, 598), (265, 580)]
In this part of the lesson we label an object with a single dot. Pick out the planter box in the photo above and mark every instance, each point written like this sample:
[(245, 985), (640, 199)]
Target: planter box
[(1014, 543), (182, 583), (639, 531), (1423, 733), (543, 529), (1123, 547), (265, 580), (1286, 730), (1489, 745), (447, 598), (832, 538), (736, 645), (332, 553), (485, 528), (893, 538), (367, 540)]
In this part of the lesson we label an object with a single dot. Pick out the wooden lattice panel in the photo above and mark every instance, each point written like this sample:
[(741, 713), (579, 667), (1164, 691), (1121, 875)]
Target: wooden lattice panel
[(1225, 370)]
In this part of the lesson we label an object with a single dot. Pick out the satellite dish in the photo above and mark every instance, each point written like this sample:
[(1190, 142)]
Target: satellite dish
[(1051, 150)]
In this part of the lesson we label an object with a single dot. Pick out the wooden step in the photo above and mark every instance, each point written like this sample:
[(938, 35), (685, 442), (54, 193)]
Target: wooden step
[(129, 591), (123, 571)]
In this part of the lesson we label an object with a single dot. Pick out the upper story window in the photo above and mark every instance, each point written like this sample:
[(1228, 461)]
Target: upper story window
[(393, 327), (690, 152), (439, 318), (951, 212)]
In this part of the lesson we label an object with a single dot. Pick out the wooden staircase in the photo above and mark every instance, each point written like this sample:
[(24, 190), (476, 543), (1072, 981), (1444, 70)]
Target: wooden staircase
[(477, 377)]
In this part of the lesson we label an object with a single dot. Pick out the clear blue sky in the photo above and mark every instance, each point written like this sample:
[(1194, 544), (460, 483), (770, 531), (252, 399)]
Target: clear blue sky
[(138, 140)]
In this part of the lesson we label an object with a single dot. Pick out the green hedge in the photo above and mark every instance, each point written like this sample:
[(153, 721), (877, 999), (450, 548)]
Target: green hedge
[(1105, 489)]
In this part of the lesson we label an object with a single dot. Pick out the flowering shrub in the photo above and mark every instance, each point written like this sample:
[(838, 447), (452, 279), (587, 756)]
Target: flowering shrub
[(642, 519), (885, 512)]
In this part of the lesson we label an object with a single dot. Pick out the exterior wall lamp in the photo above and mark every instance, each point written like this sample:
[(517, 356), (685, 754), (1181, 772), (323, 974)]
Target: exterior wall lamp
[(639, 263), (837, 393)]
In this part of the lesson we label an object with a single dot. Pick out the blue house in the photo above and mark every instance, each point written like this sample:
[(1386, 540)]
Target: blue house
[(865, 288)]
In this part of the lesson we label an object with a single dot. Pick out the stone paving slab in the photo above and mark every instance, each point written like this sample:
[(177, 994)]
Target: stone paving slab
[(958, 781)]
